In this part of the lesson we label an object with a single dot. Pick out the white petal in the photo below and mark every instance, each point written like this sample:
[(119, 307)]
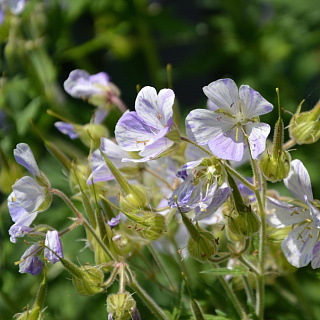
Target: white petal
[(252, 103), (224, 95), (298, 245), (258, 133), (281, 214), (298, 181)]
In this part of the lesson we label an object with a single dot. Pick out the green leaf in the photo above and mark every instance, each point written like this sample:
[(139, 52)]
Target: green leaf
[(237, 271)]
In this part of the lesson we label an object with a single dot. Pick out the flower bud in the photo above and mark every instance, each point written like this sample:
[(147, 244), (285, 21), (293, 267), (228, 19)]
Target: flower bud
[(92, 132), (304, 127), (120, 305), (87, 279), (246, 223), (136, 199), (203, 247)]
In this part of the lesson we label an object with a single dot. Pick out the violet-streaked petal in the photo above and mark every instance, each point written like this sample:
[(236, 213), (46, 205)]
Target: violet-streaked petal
[(53, 249), (114, 221), (252, 103), (281, 214), (67, 129), (79, 84), (224, 95), (18, 231), (132, 134), (228, 145), (220, 196), (165, 104), (211, 106), (99, 79), (299, 244), (25, 157), (30, 262), (182, 172), (100, 114), (298, 181), (194, 153), (258, 133), (315, 263), (314, 212), (202, 125), (29, 194)]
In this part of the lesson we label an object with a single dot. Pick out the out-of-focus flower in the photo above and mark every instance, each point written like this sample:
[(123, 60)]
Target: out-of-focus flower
[(15, 7), (302, 244), (235, 116), (146, 128)]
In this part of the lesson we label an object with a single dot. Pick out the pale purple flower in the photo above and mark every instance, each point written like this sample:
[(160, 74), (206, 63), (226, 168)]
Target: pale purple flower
[(96, 88), (235, 117), (145, 129), (204, 188), (301, 245), (53, 248), (30, 263), (100, 170), (114, 221), (67, 129), (15, 6), (25, 157)]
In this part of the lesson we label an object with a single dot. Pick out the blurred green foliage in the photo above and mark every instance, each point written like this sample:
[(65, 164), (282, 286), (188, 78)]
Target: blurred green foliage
[(266, 44)]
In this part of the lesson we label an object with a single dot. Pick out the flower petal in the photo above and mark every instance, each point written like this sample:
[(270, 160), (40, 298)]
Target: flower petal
[(16, 6), (30, 262), (53, 248), (25, 157), (67, 129), (252, 103), (258, 133), (315, 263), (281, 214), (132, 133), (299, 244), (315, 213), (298, 181), (224, 95)]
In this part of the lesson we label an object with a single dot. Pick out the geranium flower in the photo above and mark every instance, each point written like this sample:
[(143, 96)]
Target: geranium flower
[(233, 116), (53, 249), (301, 244), (145, 129), (97, 88)]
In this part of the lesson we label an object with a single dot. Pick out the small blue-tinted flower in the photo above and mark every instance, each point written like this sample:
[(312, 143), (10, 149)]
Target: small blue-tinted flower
[(301, 245), (144, 130), (53, 248), (114, 221), (30, 263), (67, 129), (235, 116), (25, 157), (100, 170)]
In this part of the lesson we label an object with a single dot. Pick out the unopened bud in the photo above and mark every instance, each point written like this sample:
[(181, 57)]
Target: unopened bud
[(304, 127), (120, 305), (87, 279), (135, 200), (92, 132)]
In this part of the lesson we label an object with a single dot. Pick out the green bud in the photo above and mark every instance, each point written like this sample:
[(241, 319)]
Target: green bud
[(204, 247), (245, 223), (92, 132), (120, 305), (275, 168), (87, 279), (135, 200), (304, 127)]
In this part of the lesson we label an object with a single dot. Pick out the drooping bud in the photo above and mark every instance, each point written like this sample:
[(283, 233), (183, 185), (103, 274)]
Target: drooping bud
[(276, 166), (244, 221), (87, 279), (304, 127), (120, 305), (136, 200)]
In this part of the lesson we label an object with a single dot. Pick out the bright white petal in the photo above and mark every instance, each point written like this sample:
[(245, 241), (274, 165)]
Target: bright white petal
[(252, 103), (281, 214), (298, 181), (299, 244), (258, 133), (165, 104), (224, 95)]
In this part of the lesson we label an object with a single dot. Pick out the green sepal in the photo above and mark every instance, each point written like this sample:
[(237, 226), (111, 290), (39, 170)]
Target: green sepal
[(120, 305)]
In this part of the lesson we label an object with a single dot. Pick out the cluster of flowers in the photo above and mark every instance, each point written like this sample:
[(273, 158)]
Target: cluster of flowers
[(219, 139)]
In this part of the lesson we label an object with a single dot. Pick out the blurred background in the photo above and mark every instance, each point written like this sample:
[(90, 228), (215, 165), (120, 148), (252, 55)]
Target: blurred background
[(265, 44)]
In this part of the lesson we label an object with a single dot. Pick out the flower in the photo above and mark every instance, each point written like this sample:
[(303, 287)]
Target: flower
[(146, 128), (68, 129), (204, 188), (301, 244), (96, 88), (236, 117), (15, 6), (53, 249), (30, 262)]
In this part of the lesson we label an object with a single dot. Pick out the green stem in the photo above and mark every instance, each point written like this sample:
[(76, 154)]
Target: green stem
[(162, 267), (248, 289), (159, 178)]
